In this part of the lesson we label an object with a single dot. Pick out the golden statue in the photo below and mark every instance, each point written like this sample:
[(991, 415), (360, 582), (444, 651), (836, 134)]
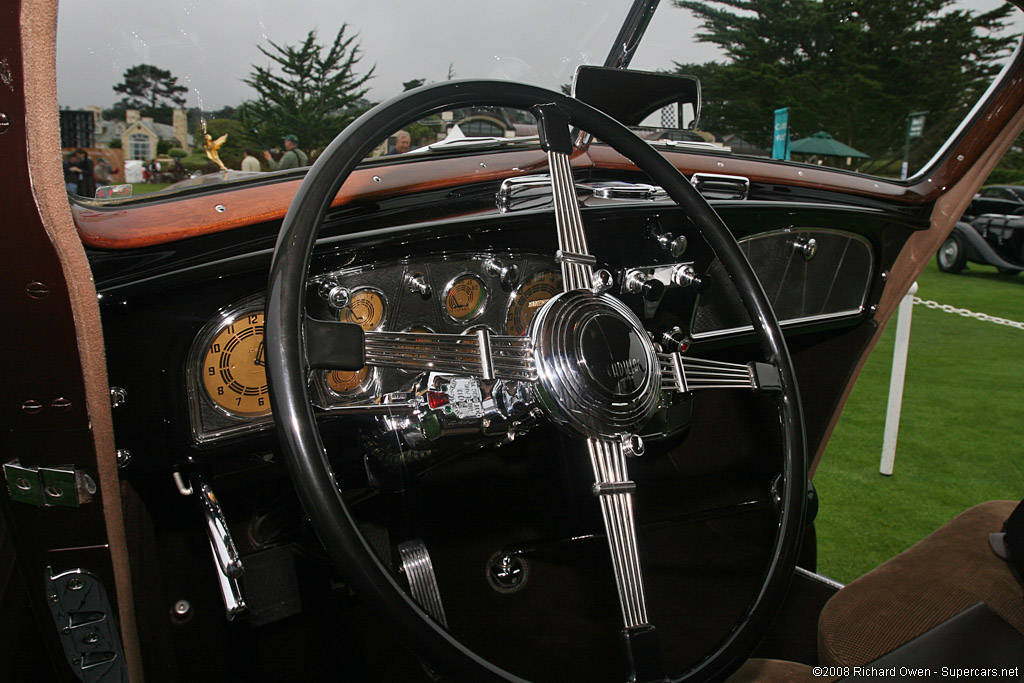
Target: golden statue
[(211, 146)]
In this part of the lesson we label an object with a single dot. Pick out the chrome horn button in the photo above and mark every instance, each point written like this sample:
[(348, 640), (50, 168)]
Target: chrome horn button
[(598, 374)]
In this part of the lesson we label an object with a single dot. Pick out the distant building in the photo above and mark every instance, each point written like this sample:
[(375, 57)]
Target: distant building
[(141, 134)]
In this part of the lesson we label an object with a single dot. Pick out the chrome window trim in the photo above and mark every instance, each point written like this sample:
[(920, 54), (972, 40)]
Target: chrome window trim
[(844, 314)]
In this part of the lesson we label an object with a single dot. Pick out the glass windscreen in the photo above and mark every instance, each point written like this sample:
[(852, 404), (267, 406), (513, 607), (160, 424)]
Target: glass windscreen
[(157, 97)]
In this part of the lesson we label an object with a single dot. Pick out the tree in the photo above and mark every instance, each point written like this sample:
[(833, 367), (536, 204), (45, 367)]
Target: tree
[(854, 68), (146, 87), (414, 83), (316, 94)]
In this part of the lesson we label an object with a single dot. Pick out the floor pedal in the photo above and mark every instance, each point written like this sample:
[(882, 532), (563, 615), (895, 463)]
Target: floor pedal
[(270, 585), (419, 571)]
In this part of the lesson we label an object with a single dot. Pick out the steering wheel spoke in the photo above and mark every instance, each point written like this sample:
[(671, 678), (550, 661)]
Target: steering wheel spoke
[(614, 490), (484, 355), (334, 345), (685, 374)]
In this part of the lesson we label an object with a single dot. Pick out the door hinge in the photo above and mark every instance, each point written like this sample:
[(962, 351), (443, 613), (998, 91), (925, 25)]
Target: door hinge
[(48, 486)]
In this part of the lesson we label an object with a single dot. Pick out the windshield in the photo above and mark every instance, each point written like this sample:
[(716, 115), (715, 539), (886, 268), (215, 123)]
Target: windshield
[(163, 96)]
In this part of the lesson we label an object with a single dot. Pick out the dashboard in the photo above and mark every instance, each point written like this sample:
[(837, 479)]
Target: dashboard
[(448, 293)]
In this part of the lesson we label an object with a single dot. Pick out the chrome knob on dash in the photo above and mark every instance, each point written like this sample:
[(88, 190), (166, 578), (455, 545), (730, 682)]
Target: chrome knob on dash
[(418, 284), (508, 275), (601, 281), (648, 286)]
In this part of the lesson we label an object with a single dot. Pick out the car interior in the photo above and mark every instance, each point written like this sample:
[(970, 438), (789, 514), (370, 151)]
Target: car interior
[(541, 409)]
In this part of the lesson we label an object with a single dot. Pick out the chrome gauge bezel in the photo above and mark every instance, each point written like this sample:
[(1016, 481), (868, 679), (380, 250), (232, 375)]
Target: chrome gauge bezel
[(485, 293), (384, 301), (327, 397), (517, 293), (199, 398)]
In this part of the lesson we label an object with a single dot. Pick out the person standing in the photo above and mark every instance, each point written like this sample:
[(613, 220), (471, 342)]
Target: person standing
[(293, 157), (101, 172), (249, 161), (72, 172), (86, 182)]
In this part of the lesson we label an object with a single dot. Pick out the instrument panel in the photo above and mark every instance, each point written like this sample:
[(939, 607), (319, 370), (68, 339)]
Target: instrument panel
[(447, 293)]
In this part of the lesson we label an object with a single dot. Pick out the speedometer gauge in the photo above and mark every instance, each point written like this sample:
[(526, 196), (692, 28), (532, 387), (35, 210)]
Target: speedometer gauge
[(233, 369), (530, 296)]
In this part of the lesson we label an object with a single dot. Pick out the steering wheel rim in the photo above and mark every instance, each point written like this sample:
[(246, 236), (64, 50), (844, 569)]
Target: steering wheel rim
[(297, 429)]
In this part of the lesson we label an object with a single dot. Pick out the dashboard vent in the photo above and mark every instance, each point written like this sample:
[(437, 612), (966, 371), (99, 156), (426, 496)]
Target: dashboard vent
[(714, 186)]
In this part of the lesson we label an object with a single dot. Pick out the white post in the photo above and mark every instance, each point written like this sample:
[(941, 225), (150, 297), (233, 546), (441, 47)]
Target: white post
[(899, 372)]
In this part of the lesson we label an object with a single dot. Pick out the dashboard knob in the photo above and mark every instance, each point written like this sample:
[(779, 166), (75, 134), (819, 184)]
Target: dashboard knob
[(648, 286), (686, 276), (673, 340), (418, 284), (601, 281), (508, 275), (338, 297)]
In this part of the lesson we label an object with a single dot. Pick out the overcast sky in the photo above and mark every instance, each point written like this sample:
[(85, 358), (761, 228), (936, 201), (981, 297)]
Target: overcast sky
[(212, 46)]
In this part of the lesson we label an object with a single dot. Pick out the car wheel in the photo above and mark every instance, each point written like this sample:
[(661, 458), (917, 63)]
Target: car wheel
[(952, 257)]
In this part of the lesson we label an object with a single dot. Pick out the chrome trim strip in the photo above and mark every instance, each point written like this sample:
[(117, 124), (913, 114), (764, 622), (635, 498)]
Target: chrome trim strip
[(790, 322), (820, 578)]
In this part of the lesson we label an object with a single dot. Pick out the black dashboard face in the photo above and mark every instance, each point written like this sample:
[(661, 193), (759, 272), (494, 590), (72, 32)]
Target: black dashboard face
[(201, 328), (184, 322), (452, 293)]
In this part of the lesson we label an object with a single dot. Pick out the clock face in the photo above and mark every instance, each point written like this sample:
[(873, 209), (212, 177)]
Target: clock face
[(233, 367)]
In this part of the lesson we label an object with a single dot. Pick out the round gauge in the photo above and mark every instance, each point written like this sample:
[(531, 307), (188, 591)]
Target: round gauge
[(465, 297), (365, 308), (345, 382), (233, 369), (529, 298)]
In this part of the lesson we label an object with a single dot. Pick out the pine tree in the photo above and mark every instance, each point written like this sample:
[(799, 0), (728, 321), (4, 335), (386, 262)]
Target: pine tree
[(148, 88), (314, 92), (853, 68)]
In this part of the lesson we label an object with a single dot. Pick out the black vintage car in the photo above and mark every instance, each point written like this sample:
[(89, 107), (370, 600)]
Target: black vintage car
[(993, 239), (540, 407)]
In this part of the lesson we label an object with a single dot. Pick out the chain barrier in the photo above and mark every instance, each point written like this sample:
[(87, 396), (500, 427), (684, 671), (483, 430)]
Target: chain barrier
[(984, 317)]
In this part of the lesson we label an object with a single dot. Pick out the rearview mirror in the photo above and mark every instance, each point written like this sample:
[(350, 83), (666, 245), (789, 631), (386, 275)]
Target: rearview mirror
[(640, 98)]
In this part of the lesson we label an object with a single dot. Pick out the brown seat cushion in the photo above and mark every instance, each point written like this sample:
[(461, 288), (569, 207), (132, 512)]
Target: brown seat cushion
[(775, 671), (939, 577)]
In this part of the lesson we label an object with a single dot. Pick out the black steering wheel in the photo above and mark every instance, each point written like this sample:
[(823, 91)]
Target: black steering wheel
[(594, 369)]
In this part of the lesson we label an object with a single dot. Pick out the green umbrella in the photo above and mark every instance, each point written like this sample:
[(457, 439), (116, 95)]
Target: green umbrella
[(823, 144)]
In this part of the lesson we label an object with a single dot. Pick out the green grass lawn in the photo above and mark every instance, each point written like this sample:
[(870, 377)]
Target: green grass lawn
[(146, 188), (961, 437)]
